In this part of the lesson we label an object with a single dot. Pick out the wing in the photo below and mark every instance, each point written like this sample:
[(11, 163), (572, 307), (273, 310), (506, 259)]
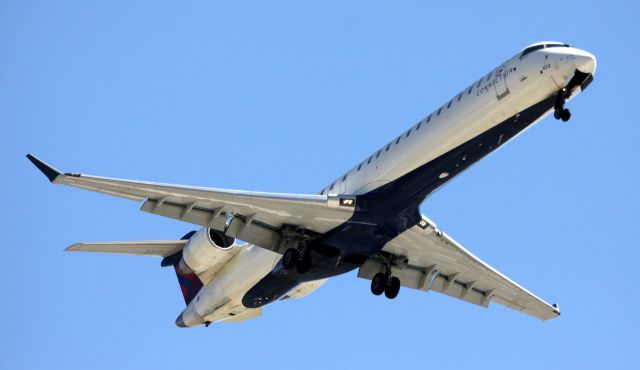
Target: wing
[(425, 258), (163, 248), (257, 217)]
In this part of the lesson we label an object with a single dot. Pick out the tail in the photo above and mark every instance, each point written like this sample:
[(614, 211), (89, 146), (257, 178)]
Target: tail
[(190, 283)]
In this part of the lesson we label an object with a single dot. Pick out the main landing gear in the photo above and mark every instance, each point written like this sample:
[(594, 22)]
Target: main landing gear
[(560, 112), (300, 260), (385, 283)]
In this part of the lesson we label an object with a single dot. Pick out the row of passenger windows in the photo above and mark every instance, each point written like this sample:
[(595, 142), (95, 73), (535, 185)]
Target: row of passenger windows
[(417, 127)]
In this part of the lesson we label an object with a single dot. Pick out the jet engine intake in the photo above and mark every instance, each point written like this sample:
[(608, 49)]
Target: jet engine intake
[(206, 249)]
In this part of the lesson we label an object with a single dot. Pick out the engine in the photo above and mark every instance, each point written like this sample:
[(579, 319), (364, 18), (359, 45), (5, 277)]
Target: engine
[(206, 249)]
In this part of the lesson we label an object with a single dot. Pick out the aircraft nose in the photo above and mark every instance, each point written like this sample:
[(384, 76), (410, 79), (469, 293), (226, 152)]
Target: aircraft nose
[(585, 62)]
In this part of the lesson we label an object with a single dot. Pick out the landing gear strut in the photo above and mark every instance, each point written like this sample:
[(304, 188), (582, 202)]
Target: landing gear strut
[(560, 112), (385, 283), (304, 262)]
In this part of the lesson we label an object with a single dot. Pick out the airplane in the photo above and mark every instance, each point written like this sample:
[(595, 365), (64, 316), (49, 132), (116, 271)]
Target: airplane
[(367, 219)]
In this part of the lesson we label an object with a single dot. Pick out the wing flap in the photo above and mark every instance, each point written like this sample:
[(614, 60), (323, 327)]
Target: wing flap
[(241, 227), (456, 289), (162, 248)]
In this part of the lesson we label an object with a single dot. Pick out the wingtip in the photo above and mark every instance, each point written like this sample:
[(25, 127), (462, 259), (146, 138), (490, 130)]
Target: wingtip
[(46, 169), (72, 247)]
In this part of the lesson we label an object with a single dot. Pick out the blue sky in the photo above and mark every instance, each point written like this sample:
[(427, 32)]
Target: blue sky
[(285, 96)]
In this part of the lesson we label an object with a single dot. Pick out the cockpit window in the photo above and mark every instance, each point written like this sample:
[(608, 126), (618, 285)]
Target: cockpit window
[(557, 45), (533, 48)]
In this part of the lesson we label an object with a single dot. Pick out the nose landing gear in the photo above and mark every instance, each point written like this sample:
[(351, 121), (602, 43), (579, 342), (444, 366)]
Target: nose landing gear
[(560, 112), (563, 113)]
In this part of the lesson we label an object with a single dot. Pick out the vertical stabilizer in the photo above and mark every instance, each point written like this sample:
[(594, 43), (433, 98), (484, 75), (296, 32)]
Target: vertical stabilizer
[(190, 283)]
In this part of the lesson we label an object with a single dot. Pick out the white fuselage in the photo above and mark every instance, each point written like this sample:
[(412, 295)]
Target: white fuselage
[(508, 89), (221, 297)]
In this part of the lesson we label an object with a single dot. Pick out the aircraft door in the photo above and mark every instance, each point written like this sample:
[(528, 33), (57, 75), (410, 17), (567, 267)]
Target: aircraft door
[(502, 89), (343, 185)]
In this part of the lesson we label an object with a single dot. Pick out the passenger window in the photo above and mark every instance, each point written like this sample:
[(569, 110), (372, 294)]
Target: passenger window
[(408, 132), (418, 127), (439, 110), (397, 141), (378, 155), (359, 166), (344, 178), (449, 105), (388, 146), (369, 161), (331, 188), (429, 119), (470, 88), (322, 192), (459, 96), (489, 76), (479, 82)]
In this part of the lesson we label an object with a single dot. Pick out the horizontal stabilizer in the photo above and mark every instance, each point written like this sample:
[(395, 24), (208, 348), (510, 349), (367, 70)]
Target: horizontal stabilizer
[(161, 248)]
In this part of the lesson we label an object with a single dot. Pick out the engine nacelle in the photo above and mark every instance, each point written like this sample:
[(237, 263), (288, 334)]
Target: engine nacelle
[(206, 249)]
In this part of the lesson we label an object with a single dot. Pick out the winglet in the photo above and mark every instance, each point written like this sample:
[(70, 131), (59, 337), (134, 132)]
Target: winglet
[(47, 170)]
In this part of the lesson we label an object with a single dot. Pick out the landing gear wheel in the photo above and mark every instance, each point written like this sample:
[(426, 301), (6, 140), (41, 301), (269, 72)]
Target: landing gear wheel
[(290, 258), (304, 263), (557, 114), (393, 288), (560, 112), (379, 283)]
